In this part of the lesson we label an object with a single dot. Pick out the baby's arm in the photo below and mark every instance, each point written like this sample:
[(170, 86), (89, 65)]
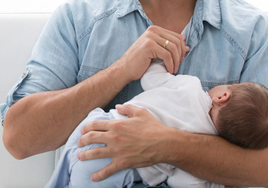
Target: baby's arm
[(156, 75)]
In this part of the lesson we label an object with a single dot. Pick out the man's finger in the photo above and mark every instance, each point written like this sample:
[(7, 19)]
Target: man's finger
[(91, 137), (96, 153), (104, 173), (166, 56), (98, 125), (128, 110), (184, 48)]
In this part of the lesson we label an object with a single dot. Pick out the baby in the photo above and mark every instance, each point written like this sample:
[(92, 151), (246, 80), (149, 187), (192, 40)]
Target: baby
[(235, 112)]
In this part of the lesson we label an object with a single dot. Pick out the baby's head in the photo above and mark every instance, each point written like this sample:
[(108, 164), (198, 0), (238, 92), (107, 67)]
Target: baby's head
[(240, 113)]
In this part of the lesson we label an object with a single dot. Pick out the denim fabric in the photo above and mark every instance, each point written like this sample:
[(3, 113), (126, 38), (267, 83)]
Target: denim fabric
[(227, 39)]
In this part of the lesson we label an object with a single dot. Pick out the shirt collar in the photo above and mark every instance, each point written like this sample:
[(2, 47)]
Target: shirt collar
[(209, 11), (205, 10), (125, 7)]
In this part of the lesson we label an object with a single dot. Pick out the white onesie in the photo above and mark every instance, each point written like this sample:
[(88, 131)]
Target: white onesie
[(187, 109)]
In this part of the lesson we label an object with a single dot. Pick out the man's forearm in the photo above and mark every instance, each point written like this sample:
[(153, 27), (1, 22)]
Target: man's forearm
[(43, 121), (214, 159)]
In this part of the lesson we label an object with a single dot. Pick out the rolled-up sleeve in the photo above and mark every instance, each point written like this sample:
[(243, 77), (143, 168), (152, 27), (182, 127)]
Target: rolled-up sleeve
[(54, 62)]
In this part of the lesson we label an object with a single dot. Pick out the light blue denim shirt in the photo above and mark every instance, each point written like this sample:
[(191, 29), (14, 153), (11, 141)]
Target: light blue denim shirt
[(228, 42)]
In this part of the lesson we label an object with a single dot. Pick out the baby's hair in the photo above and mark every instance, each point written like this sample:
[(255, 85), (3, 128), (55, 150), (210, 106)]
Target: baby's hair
[(244, 120)]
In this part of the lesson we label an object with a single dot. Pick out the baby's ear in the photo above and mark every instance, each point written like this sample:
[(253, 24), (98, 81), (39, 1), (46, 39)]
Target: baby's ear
[(224, 97)]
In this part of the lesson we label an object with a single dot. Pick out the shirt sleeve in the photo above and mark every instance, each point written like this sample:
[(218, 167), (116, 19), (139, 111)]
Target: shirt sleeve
[(54, 62), (156, 75), (256, 65)]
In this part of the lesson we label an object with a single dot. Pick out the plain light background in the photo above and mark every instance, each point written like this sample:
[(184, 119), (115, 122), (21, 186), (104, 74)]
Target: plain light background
[(29, 6), (24, 8), (48, 6), (10, 75)]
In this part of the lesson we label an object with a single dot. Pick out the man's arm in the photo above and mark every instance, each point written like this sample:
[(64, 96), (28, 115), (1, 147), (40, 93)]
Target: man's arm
[(227, 164), (197, 154), (46, 106), (43, 121)]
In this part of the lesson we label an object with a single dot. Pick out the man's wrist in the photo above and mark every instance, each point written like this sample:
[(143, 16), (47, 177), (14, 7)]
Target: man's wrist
[(119, 70), (171, 144)]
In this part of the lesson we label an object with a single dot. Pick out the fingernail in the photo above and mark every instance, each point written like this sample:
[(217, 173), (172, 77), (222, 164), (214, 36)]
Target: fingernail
[(79, 156), (79, 144), (82, 131), (93, 178), (176, 70), (118, 106)]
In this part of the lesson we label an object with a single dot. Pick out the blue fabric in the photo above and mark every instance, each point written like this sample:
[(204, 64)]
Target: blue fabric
[(139, 185), (73, 173), (85, 36)]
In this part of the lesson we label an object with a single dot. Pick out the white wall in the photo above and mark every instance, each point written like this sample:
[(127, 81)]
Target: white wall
[(261, 4), (38, 7), (18, 34), (29, 6), (45, 6)]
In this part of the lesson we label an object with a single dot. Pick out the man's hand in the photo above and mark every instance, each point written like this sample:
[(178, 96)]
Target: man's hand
[(155, 42), (131, 143)]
